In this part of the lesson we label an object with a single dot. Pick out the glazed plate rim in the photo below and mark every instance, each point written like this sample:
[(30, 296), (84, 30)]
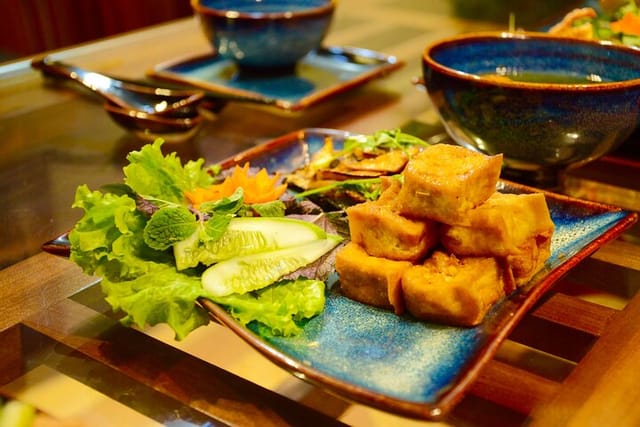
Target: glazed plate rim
[(450, 395)]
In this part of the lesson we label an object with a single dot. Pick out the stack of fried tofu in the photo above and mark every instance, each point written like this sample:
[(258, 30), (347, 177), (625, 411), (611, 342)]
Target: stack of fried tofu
[(442, 243)]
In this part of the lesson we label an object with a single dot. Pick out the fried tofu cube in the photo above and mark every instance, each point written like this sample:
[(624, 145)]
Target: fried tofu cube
[(370, 280), (390, 189), (382, 232), (529, 258), (444, 182), (455, 290), (517, 227)]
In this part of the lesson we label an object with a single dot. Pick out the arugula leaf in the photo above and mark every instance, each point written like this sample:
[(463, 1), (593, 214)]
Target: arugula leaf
[(154, 175), (168, 226)]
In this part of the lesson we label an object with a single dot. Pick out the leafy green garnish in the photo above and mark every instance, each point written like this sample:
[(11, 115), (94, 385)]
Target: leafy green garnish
[(126, 230), (268, 209), (227, 205), (281, 306), (385, 139), (153, 175), (107, 240), (163, 295), (168, 226), (369, 188)]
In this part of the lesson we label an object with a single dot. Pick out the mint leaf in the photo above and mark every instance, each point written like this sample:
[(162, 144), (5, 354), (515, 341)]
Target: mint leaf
[(269, 209), (227, 205), (215, 227), (168, 226)]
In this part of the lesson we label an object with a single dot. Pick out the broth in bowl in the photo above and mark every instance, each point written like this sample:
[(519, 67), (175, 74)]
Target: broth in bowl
[(543, 77)]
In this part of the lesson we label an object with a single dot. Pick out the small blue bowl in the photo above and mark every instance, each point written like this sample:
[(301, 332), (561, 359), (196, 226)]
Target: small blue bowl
[(547, 103), (264, 34)]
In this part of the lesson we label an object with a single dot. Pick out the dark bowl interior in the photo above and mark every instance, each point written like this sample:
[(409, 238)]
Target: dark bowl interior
[(261, 7), (482, 55)]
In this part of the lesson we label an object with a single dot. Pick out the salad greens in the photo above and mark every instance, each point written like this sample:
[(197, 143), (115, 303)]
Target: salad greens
[(128, 234), (393, 139), (618, 21), (378, 142)]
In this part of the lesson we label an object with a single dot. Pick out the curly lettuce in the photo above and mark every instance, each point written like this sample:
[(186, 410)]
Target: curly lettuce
[(126, 237)]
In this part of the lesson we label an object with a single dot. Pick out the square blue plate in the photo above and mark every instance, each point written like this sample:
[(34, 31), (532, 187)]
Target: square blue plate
[(397, 364), (318, 76)]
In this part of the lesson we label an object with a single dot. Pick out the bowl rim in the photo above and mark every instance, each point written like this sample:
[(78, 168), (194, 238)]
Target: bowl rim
[(326, 8), (428, 60)]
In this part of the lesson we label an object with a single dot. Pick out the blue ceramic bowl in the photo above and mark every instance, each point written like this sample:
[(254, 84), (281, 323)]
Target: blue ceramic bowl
[(546, 103), (264, 34)]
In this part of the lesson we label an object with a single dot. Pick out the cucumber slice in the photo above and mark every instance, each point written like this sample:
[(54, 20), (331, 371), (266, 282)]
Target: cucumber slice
[(17, 414), (246, 236), (251, 272)]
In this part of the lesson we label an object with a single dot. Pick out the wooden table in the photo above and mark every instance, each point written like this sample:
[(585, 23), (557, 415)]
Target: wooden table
[(574, 359)]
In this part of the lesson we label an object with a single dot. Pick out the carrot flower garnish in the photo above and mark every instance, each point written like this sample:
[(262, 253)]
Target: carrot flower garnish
[(258, 188), (628, 24)]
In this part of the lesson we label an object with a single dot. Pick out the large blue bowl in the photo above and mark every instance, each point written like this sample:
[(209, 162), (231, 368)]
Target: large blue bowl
[(264, 34), (584, 103)]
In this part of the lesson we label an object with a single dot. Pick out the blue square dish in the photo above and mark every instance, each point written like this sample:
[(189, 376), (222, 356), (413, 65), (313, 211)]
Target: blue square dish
[(396, 363), (319, 75)]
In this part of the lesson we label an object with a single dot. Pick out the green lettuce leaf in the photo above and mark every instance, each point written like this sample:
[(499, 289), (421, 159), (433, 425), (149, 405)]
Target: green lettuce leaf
[(142, 282), (161, 296), (280, 308), (154, 175), (107, 240)]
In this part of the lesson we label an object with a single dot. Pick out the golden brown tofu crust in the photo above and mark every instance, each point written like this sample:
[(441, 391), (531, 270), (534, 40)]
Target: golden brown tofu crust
[(382, 232), (454, 290), (370, 280), (444, 182), (515, 226), (442, 244), (529, 258)]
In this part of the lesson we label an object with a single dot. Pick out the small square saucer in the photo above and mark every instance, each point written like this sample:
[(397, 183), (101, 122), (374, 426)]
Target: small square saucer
[(319, 75)]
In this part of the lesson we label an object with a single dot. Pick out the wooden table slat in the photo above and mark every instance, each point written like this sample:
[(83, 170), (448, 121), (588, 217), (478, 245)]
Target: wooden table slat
[(575, 313), (512, 387), (206, 388), (606, 376)]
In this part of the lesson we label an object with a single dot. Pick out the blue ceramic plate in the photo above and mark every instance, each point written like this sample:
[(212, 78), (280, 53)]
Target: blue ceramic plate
[(398, 364), (319, 75)]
